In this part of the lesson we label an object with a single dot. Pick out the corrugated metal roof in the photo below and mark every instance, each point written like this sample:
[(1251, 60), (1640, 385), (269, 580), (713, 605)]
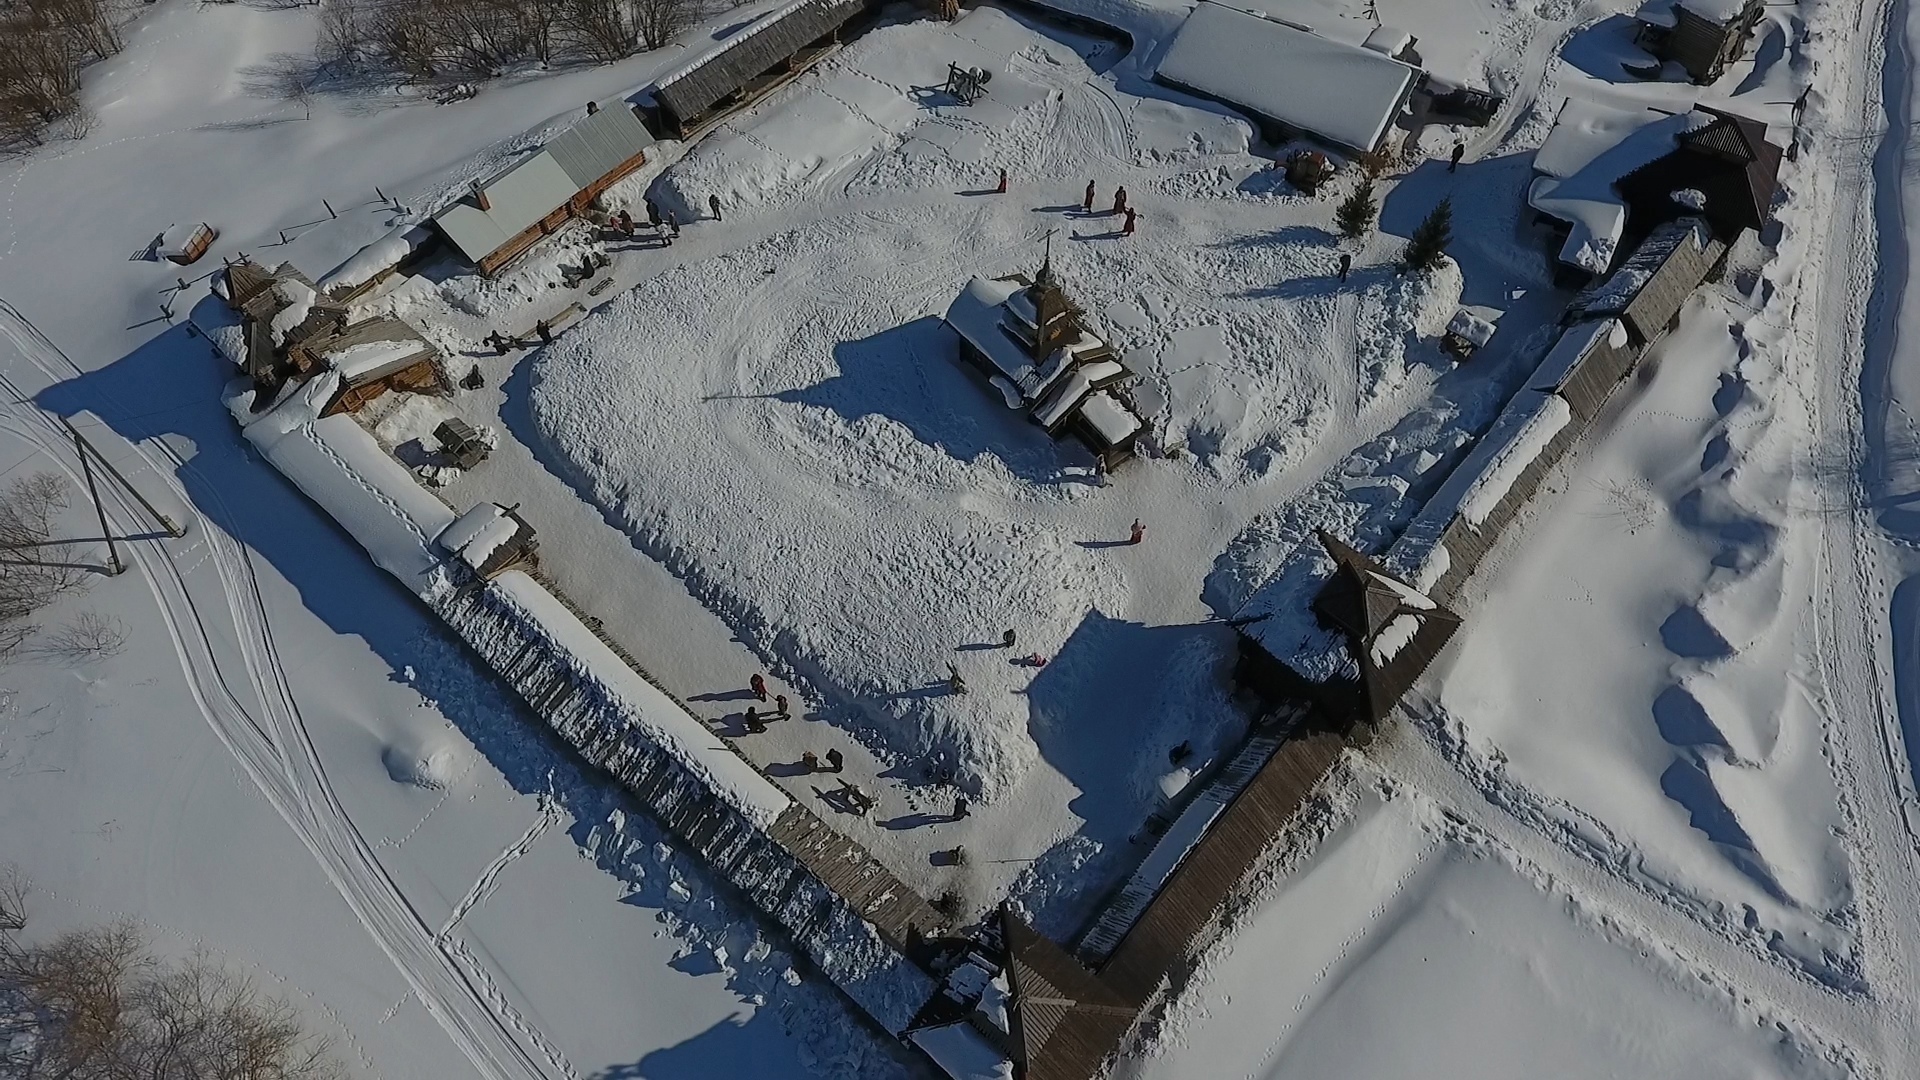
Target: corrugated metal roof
[(598, 144), (517, 198), (695, 88)]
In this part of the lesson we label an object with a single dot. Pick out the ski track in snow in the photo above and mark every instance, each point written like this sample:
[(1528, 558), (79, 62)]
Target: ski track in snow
[(275, 749)]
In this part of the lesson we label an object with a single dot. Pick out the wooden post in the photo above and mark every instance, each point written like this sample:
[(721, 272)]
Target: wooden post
[(93, 492)]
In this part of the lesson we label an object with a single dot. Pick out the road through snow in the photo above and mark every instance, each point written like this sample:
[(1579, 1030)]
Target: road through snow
[(1866, 374), (270, 740)]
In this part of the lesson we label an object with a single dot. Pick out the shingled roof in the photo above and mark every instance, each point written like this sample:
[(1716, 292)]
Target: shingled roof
[(1728, 160), (1065, 1020)]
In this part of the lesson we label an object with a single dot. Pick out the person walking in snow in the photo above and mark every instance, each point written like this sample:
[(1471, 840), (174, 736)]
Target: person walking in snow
[(1006, 640), (653, 213), (1002, 189), (759, 685), (1120, 200), (1139, 532), (811, 762), (545, 332), (1459, 151), (1346, 265), (1127, 229), (673, 226), (753, 722), (1086, 203), (959, 807), (713, 202), (780, 705), (835, 763), (955, 684), (499, 343)]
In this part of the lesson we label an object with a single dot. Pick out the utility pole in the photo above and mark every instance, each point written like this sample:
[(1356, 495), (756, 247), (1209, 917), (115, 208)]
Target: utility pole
[(93, 492), (86, 448)]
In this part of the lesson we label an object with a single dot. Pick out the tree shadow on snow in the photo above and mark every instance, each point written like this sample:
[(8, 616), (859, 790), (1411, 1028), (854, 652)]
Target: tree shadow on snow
[(913, 375), (1498, 251)]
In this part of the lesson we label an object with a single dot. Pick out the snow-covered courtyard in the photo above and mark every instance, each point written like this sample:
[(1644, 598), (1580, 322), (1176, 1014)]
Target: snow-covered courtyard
[(1647, 813)]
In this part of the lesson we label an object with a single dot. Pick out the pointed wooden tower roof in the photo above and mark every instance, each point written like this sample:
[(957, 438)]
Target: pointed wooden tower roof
[(1065, 1021)]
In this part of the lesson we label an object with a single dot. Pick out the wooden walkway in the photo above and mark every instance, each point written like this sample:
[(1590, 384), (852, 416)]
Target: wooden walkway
[(901, 915), (1160, 942)]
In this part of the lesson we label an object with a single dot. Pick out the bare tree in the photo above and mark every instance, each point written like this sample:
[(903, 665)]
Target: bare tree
[(34, 571), (603, 30), (95, 1004), (46, 44), (660, 21), (90, 636)]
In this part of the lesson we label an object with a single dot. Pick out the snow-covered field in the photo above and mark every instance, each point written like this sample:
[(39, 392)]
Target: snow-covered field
[(1649, 816)]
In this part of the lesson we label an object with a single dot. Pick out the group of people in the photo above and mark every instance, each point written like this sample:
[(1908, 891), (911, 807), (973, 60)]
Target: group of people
[(1120, 206)]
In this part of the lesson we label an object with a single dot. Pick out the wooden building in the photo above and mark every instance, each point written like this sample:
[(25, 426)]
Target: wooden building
[(184, 244), (291, 330), (501, 218), (1724, 171), (1028, 339), (773, 47), (1702, 36), (1648, 290), (490, 539)]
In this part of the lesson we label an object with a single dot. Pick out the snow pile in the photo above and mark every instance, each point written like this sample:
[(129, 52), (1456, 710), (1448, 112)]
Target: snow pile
[(297, 303), (535, 276), (376, 258), (1396, 312)]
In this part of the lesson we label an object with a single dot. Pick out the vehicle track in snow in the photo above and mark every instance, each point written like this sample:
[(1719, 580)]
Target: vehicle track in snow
[(1851, 344), (271, 741)]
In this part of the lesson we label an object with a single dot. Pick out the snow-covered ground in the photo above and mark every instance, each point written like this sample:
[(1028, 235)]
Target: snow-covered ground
[(1654, 809)]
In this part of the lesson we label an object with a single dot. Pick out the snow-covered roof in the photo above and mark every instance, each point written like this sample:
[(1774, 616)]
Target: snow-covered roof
[(1472, 491), (979, 314), (1342, 93), (533, 188), (1595, 221), (1470, 327), (297, 303), (1388, 41), (1586, 128), (1114, 421), (659, 718), (598, 143), (962, 1053), (1077, 385), (376, 258), (369, 359), (478, 533), (1573, 347), (337, 464), (1719, 11), (1279, 616), (1660, 13), (1587, 201)]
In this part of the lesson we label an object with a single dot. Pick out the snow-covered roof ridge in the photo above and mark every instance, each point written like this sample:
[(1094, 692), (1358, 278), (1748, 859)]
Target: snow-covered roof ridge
[(1345, 94)]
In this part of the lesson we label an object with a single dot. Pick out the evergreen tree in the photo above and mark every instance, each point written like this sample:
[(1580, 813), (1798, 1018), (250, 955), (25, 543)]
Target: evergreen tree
[(1356, 213), (1429, 243)]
